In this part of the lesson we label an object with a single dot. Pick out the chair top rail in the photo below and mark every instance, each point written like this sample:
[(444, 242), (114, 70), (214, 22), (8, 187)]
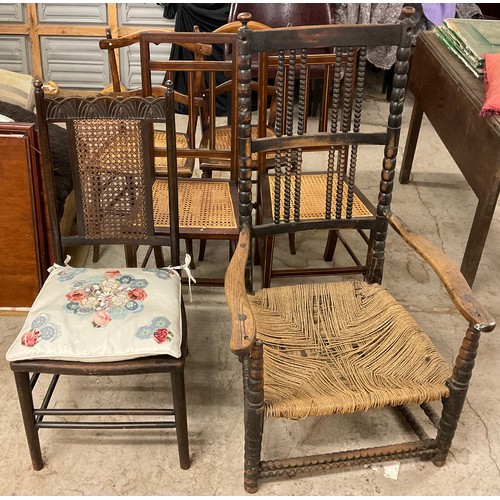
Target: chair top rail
[(178, 37), (61, 109), (303, 37)]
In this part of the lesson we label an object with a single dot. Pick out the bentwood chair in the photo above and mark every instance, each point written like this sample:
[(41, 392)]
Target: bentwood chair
[(105, 321), (207, 205), (320, 349)]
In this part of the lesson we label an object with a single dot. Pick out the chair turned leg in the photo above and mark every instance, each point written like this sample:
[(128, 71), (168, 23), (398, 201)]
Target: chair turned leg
[(26, 403), (266, 263), (291, 243), (331, 244), (181, 428), (452, 406), (203, 247), (254, 416)]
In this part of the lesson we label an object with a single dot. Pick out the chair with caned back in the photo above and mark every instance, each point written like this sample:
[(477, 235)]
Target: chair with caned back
[(311, 350), (209, 206), (105, 321)]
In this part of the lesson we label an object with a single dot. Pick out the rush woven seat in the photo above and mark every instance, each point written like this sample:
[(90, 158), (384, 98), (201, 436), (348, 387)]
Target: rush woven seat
[(318, 350), (340, 348)]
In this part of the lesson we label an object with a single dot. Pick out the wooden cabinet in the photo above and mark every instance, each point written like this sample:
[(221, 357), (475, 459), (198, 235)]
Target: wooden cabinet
[(23, 245)]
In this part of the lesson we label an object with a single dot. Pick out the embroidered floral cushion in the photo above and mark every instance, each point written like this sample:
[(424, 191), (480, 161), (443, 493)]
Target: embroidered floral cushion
[(84, 314)]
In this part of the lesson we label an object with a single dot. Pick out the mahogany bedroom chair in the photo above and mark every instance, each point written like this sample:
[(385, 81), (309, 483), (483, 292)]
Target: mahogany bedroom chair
[(311, 350), (105, 321), (208, 206)]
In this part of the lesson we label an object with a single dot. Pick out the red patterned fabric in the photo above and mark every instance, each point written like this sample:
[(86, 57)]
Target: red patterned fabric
[(492, 85)]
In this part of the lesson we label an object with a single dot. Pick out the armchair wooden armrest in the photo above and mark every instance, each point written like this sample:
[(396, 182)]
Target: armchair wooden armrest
[(449, 274), (242, 319)]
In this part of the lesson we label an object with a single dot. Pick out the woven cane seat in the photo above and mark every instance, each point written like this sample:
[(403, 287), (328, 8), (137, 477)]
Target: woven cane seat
[(313, 196), (203, 204), (185, 166), (223, 142), (340, 348)]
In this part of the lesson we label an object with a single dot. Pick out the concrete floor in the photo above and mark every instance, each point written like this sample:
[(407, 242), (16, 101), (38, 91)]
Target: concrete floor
[(439, 205)]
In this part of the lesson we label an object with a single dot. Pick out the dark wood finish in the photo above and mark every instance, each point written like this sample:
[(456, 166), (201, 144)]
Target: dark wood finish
[(24, 253), (200, 106), (342, 70), (451, 98), (239, 276), (107, 109)]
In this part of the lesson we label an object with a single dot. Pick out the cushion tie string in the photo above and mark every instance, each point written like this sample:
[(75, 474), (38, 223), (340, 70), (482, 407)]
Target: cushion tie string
[(185, 267), (55, 266)]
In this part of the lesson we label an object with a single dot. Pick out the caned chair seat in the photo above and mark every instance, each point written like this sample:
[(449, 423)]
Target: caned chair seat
[(313, 196), (341, 348), (223, 142), (101, 315), (205, 205), (185, 166)]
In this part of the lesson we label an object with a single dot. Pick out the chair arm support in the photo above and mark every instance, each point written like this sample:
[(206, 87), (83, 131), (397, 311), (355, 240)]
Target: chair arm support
[(242, 318), (449, 274)]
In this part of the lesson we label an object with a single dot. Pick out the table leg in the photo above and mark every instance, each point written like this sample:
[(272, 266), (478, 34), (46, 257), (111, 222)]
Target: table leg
[(411, 143), (477, 239)]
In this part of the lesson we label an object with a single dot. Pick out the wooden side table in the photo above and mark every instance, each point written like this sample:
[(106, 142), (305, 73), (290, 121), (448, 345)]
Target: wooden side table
[(451, 98)]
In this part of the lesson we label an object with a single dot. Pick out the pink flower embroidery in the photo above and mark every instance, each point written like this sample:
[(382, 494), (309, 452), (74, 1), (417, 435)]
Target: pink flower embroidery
[(137, 294), (76, 295), (161, 335), (30, 338), (112, 274), (100, 319)]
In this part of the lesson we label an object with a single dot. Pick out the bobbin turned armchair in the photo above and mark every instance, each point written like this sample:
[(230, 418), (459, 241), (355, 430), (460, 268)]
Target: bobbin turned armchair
[(329, 348), (111, 321)]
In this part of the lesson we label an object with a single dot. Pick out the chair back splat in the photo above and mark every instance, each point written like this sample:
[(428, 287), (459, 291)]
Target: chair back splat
[(319, 349), (298, 195), (106, 321), (209, 205)]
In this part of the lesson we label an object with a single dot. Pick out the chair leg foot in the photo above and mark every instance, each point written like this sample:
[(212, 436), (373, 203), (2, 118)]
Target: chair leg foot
[(439, 462), (26, 402), (181, 428)]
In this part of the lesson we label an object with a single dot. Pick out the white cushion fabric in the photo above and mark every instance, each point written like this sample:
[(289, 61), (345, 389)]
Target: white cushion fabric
[(90, 315), (17, 88)]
